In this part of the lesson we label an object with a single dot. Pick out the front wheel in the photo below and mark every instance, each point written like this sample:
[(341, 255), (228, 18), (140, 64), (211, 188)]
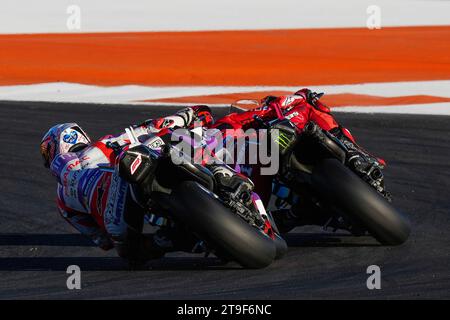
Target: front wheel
[(345, 190), (216, 224)]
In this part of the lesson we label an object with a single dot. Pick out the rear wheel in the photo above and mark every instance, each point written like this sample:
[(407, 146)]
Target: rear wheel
[(346, 191), (212, 221)]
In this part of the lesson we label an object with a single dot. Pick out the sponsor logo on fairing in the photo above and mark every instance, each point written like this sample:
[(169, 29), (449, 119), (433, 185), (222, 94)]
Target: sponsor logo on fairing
[(136, 163), (290, 116)]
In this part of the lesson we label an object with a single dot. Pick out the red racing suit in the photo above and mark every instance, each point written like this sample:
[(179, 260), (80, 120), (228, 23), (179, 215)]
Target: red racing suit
[(299, 108), (296, 108)]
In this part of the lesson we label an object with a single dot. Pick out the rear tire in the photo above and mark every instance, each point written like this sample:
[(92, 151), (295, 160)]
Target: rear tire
[(345, 190), (215, 223)]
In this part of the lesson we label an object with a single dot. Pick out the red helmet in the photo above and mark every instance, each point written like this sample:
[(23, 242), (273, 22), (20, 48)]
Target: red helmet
[(61, 139)]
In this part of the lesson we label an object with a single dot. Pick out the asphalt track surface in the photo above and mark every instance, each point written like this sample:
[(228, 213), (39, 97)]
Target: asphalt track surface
[(36, 245)]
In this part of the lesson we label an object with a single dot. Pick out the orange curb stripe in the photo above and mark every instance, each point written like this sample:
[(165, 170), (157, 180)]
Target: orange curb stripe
[(281, 57), (332, 100)]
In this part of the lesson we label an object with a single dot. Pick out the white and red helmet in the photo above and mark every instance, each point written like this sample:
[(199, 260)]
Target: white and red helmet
[(60, 139)]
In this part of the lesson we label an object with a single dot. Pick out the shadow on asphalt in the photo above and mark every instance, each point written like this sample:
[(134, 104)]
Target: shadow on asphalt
[(64, 240), (293, 240), (167, 263), (111, 264), (322, 240)]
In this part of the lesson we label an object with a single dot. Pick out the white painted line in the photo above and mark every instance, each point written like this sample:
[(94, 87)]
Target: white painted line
[(74, 92), (135, 94)]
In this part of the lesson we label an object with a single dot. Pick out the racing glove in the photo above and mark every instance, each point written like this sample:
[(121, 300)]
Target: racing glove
[(313, 99), (357, 157), (310, 96), (185, 118), (368, 167)]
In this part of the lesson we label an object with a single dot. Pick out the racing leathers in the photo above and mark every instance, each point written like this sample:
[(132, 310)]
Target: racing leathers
[(99, 202), (299, 108)]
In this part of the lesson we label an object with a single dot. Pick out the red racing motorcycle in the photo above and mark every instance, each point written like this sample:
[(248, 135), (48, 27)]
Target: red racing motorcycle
[(317, 178)]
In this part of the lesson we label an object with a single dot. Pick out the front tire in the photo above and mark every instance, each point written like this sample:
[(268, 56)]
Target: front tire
[(281, 247), (345, 190), (215, 223)]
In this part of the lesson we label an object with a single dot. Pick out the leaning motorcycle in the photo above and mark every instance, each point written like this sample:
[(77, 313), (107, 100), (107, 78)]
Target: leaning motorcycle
[(317, 176), (233, 225)]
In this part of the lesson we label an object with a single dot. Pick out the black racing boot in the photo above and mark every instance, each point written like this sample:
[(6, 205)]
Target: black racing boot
[(368, 167), (357, 157)]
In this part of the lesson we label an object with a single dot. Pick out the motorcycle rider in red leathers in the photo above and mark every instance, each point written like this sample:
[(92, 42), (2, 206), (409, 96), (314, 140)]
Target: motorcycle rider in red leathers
[(300, 108), (102, 204)]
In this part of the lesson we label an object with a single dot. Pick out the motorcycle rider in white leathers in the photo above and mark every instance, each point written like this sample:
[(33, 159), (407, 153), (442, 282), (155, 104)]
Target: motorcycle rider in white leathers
[(101, 204)]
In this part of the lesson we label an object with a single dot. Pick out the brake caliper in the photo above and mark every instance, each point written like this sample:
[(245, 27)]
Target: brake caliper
[(240, 202)]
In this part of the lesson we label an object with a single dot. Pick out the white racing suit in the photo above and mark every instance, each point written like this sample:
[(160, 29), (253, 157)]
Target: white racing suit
[(95, 201)]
